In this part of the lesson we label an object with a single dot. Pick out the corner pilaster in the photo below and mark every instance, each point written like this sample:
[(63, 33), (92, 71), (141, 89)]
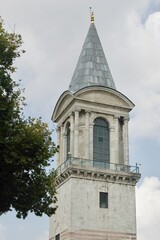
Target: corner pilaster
[(116, 139), (72, 134), (58, 130), (126, 143), (76, 131), (86, 142)]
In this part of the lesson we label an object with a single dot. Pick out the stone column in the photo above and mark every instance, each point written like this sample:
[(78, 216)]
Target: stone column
[(91, 137), (116, 139), (126, 144), (87, 136), (72, 135), (64, 147), (63, 144), (58, 144), (112, 144), (76, 132)]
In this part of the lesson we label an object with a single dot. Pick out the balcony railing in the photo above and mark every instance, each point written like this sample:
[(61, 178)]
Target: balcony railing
[(81, 162)]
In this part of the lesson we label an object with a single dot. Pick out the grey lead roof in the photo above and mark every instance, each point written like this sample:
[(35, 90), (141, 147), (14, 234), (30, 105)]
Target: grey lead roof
[(92, 67)]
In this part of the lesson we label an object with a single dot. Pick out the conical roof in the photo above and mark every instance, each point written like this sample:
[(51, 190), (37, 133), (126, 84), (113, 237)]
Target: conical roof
[(92, 67)]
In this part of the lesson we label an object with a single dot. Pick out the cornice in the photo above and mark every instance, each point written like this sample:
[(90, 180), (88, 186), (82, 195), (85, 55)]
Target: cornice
[(95, 174)]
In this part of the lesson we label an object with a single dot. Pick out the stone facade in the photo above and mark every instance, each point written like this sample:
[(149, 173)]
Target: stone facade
[(79, 183), (80, 110), (95, 184), (78, 204)]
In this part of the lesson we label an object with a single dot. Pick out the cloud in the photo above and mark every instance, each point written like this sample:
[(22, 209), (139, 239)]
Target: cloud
[(43, 236), (148, 209), (53, 34), (139, 79), (147, 90), (2, 232)]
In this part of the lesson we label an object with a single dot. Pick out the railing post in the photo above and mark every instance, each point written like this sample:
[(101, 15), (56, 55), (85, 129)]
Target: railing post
[(137, 168)]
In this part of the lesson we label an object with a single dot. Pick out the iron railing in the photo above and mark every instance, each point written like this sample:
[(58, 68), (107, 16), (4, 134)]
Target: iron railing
[(96, 164)]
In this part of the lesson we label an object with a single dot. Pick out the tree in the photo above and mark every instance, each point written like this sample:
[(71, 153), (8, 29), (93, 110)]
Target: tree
[(26, 146)]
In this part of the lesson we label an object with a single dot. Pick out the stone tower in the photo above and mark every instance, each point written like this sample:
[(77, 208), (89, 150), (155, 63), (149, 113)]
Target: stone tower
[(95, 183)]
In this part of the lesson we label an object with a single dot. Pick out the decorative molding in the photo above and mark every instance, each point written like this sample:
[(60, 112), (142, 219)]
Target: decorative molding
[(95, 234), (105, 175)]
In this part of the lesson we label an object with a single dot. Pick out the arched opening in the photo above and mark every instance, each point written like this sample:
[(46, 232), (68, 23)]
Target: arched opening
[(101, 154), (68, 136)]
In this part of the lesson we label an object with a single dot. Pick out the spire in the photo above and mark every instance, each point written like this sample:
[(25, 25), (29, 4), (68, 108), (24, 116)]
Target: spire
[(92, 67)]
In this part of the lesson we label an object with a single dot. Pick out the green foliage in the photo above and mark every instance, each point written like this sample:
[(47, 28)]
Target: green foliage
[(26, 146)]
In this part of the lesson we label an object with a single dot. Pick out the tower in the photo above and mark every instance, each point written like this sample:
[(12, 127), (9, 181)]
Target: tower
[(95, 183)]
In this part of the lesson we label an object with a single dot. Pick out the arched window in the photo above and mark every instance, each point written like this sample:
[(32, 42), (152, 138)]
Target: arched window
[(100, 143), (68, 141)]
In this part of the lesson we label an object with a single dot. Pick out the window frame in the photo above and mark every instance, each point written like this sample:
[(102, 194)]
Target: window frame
[(103, 200), (57, 237), (101, 142)]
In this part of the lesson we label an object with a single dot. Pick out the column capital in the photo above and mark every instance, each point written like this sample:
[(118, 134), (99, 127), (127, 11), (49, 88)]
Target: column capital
[(58, 129), (112, 129), (64, 135), (71, 114), (127, 118), (87, 111), (116, 116), (77, 109), (61, 125)]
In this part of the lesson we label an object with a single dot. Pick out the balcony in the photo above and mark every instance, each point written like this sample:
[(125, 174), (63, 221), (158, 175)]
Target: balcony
[(88, 164)]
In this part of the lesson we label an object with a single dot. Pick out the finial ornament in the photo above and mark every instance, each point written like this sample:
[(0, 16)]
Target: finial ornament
[(91, 15)]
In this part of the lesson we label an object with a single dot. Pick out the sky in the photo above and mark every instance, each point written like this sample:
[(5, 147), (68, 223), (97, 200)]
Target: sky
[(53, 32)]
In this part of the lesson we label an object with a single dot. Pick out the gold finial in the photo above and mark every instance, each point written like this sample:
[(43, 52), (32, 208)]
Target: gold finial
[(91, 15)]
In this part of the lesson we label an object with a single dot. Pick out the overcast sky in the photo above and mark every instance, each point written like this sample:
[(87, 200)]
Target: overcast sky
[(53, 32)]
